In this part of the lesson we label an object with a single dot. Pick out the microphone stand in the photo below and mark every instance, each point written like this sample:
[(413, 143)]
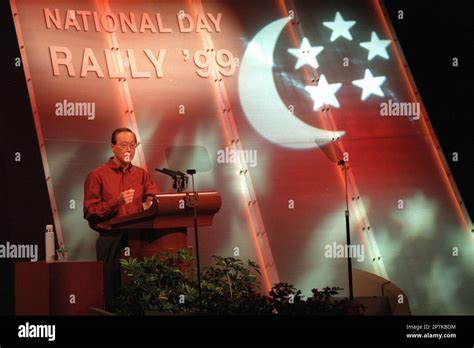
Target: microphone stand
[(334, 154), (180, 182), (348, 231), (196, 237)]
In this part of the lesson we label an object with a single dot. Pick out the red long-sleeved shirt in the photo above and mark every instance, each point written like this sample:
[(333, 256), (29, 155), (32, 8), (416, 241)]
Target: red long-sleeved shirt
[(103, 187)]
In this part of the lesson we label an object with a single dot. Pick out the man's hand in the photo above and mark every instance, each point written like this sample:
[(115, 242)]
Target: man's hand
[(148, 202), (126, 196)]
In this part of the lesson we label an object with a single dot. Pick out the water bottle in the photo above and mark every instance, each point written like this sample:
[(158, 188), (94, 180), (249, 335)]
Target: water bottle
[(49, 243)]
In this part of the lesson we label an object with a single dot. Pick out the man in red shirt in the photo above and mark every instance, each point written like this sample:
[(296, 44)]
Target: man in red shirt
[(116, 188)]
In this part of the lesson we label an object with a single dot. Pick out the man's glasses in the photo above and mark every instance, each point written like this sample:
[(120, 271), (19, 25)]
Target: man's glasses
[(132, 146)]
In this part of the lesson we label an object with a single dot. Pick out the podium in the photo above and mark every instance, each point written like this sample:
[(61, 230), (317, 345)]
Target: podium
[(163, 226)]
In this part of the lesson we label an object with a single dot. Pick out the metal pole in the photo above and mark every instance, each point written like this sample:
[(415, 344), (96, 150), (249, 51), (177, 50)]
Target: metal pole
[(348, 237), (197, 240)]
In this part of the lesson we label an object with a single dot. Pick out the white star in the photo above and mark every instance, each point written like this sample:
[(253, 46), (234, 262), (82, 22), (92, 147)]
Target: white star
[(306, 54), (323, 93), (370, 85), (340, 27), (376, 46)]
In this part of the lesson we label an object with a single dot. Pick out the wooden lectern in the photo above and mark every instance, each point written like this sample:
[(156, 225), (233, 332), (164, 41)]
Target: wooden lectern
[(163, 226)]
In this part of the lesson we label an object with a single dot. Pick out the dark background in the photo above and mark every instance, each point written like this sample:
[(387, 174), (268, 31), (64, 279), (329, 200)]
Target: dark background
[(431, 34)]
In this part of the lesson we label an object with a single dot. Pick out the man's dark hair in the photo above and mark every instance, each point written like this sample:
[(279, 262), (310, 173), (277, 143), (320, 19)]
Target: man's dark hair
[(120, 130)]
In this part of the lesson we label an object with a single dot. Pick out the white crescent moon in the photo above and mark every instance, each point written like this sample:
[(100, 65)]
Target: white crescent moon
[(261, 102)]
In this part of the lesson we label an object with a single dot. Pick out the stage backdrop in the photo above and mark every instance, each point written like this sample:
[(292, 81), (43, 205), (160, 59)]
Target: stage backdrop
[(272, 94)]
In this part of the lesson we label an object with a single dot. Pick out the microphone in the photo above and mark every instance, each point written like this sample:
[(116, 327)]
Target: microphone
[(180, 179), (172, 173)]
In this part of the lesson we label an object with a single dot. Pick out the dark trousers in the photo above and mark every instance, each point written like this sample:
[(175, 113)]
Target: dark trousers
[(108, 247)]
